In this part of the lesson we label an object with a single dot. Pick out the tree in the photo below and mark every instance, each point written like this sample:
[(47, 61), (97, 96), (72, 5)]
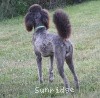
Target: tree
[(77, 1)]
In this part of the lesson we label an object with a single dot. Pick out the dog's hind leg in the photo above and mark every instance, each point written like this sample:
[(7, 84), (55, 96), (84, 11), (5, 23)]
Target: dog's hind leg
[(39, 63), (69, 61), (59, 56), (51, 69)]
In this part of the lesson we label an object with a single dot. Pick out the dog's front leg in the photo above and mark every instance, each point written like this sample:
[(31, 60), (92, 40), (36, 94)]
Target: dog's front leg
[(51, 69), (39, 63)]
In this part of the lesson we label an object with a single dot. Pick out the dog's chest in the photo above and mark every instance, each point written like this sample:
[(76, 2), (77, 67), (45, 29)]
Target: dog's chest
[(44, 46)]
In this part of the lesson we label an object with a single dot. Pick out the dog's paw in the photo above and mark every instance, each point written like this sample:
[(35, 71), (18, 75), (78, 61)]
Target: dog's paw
[(41, 81), (51, 79)]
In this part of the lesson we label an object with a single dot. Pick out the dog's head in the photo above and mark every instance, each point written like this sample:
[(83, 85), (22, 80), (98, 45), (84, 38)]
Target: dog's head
[(35, 16)]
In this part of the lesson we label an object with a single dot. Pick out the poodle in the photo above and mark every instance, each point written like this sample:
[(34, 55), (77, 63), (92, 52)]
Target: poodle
[(51, 45)]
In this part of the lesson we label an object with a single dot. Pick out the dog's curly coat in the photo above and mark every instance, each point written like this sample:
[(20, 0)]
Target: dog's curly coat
[(46, 44)]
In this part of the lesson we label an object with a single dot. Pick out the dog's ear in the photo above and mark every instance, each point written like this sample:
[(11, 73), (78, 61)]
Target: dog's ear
[(45, 18), (29, 22)]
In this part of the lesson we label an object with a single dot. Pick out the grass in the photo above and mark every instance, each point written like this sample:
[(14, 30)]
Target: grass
[(18, 69)]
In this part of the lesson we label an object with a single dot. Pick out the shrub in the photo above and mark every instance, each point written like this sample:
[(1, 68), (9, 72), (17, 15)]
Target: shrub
[(11, 8)]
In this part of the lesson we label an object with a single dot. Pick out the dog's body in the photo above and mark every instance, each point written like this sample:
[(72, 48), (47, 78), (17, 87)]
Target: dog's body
[(46, 43), (43, 43), (50, 45)]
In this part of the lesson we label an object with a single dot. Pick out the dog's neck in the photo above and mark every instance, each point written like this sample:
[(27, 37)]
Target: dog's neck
[(39, 27)]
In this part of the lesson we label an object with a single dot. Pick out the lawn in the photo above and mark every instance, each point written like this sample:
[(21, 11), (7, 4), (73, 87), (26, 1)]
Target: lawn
[(18, 69)]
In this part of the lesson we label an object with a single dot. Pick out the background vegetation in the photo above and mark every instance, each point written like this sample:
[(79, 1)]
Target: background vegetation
[(18, 68), (11, 8)]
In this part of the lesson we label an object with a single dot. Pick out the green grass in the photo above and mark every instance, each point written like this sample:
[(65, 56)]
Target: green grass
[(18, 69)]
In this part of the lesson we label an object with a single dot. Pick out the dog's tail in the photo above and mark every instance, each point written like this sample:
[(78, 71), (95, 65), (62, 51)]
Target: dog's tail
[(62, 23)]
